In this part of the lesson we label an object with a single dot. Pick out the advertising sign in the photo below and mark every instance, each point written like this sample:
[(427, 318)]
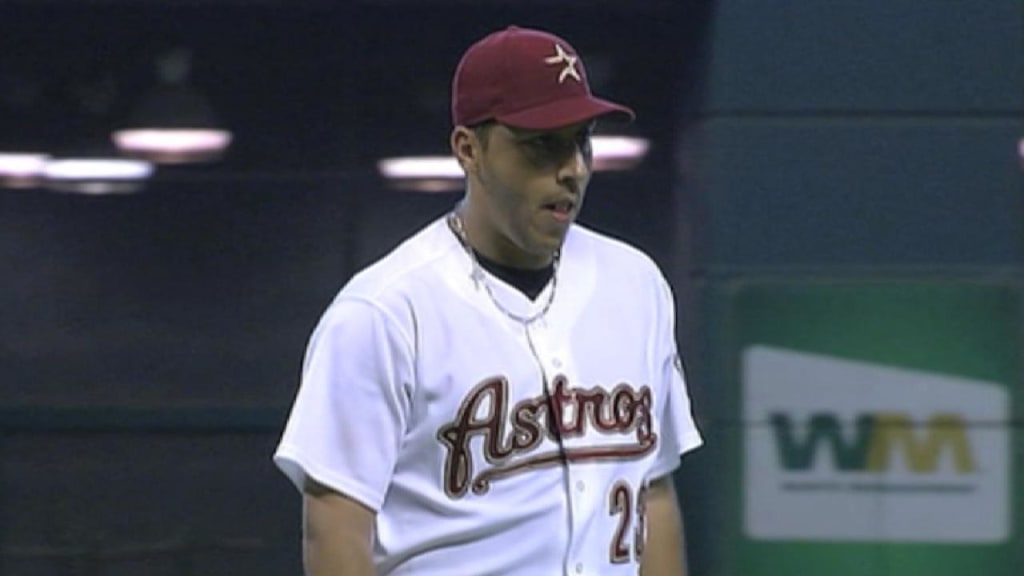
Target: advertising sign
[(875, 430)]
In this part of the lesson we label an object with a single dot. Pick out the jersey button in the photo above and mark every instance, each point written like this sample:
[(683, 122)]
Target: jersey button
[(556, 362), (580, 486), (579, 568)]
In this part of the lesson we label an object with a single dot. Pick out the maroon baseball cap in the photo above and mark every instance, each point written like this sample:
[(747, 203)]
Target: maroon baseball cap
[(526, 79)]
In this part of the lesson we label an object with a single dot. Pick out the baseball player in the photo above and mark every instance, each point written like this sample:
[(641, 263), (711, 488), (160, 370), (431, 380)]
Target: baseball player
[(501, 394)]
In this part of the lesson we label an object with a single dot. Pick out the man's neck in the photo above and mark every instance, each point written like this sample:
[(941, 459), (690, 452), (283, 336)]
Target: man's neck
[(529, 281)]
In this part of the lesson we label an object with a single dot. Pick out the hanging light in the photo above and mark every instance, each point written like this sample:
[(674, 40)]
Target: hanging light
[(94, 166), (173, 145), (96, 175), (442, 167), (618, 152), (422, 173), (22, 169), (175, 123), (23, 153)]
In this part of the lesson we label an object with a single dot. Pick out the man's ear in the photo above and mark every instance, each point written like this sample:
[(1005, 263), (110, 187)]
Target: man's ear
[(465, 148)]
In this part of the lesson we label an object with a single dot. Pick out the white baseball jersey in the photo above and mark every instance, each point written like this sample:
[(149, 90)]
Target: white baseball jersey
[(487, 447)]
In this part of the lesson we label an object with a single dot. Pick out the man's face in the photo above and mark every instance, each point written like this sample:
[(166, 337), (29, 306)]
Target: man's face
[(529, 187)]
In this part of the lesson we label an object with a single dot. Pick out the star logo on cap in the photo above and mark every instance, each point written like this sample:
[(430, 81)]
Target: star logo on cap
[(563, 57)]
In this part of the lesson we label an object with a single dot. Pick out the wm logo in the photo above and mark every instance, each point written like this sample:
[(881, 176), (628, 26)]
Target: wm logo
[(874, 443), (855, 451)]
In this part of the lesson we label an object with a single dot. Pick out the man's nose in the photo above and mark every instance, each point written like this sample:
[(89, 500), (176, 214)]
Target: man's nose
[(575, 166)]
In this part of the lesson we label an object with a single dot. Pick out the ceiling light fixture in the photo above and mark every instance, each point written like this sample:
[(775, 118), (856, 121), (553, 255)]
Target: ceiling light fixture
[(430, 174), (443, 167), (174, 124), (173, 145), (618, 152), (97, 175), (22, 169)]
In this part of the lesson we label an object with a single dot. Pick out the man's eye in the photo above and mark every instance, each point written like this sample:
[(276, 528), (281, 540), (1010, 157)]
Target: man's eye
[(553, 146), (543, 142)]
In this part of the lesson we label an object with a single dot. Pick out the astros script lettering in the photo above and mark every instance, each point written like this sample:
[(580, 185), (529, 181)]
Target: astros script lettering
[(567, 412)]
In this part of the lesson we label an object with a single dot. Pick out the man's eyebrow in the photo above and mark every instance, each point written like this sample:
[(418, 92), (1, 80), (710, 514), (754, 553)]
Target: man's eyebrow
[(524, 133)]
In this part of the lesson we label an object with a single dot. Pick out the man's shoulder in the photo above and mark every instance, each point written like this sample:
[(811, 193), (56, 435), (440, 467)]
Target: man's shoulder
[(415, 257), (610, 252)]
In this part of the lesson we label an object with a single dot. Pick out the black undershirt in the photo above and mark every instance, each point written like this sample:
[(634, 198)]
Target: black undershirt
[(528, 281)]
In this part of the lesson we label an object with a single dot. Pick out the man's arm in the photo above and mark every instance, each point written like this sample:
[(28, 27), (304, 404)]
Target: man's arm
[(337, 534), (664, 553)]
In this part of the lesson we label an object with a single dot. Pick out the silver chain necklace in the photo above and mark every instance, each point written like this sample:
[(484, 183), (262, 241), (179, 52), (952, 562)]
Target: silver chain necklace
[(480, 278)]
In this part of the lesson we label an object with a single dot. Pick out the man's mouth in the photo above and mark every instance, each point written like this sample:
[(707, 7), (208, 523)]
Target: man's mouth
[(561, 209)]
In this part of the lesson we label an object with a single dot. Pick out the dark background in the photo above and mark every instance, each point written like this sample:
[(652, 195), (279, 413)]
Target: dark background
[(150, 344)]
